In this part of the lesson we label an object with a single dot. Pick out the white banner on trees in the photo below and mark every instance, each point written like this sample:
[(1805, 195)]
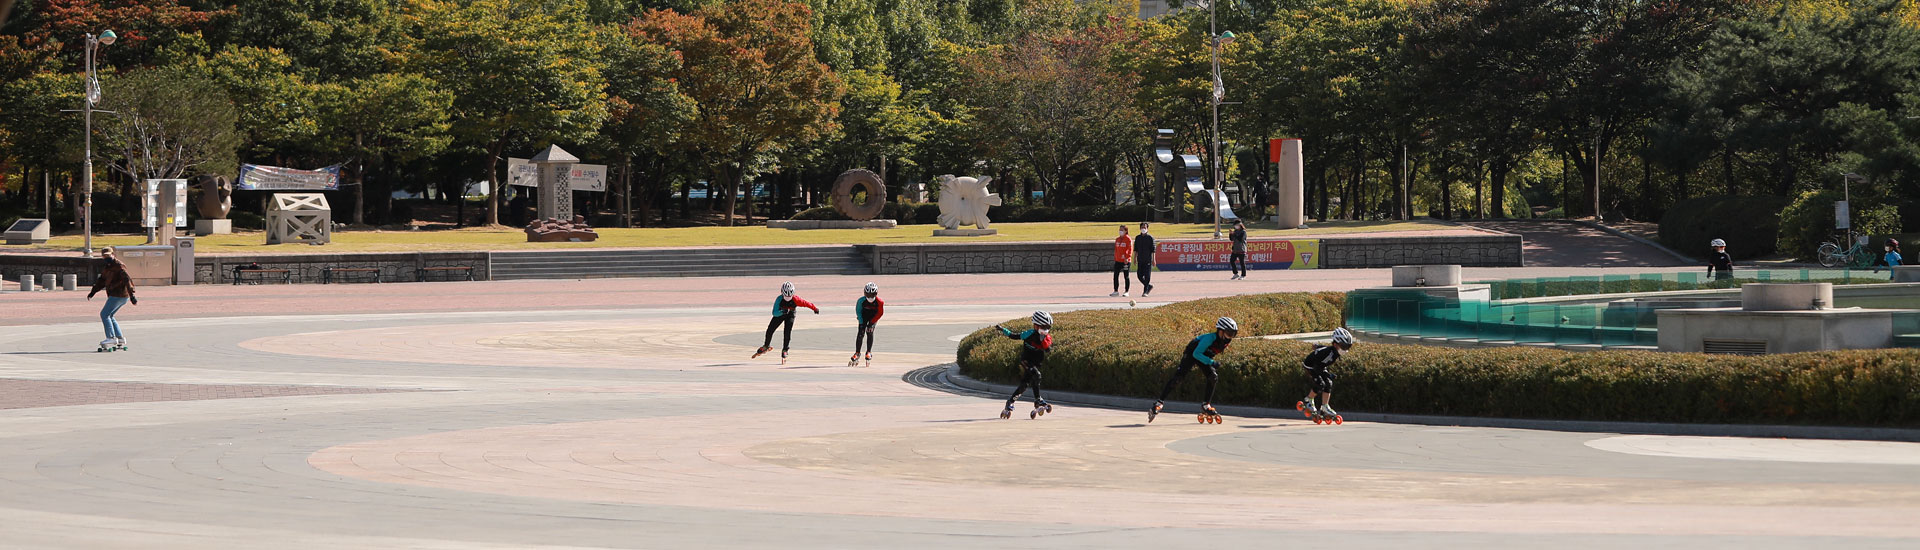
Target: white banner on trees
[(583, 177), (254, 177)]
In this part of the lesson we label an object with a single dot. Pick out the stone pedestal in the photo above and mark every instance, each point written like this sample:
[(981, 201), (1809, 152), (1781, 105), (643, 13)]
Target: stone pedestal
[(1426, 275), (1786, 296), (204, 227), (1736, 330), (965, 232)]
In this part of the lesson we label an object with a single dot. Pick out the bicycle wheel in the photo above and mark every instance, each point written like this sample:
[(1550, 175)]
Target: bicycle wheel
[(1829, 255)]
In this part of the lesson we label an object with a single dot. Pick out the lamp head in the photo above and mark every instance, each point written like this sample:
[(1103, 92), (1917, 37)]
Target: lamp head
[(1226, 37), (107, 37)]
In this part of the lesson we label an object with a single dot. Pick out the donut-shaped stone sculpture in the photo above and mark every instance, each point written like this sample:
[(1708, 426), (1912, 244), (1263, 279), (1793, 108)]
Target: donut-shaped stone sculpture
[(849, 183)]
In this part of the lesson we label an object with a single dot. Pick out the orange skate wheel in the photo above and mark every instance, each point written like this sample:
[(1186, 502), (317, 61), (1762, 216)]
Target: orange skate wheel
[(1339, 420)]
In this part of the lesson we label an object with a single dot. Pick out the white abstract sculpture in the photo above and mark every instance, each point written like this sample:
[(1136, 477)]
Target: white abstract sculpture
[(964, 201)]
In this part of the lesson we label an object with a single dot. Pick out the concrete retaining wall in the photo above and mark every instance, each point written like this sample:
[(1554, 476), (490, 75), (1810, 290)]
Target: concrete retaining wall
[(1463, 250), (1044, 257), (307, 268), (12, 266)]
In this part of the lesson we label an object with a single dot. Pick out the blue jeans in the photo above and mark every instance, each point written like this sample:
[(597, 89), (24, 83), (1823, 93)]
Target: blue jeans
[(106, 316)]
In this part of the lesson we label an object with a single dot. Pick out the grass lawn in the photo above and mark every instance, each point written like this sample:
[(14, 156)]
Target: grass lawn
[(515, 239)]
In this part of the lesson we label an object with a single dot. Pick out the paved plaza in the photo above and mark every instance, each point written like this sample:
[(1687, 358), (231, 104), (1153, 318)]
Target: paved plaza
[(626, 414)]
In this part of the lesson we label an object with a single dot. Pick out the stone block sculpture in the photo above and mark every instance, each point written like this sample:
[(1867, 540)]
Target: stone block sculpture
[(554, 231), (299, 217), (964, 201)]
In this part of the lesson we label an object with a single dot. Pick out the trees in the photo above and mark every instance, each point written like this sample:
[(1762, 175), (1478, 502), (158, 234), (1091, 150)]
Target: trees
[(521, 73), (1057, 107), (170, 121), (750, 67)]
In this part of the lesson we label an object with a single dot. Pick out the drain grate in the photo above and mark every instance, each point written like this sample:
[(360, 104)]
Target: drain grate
[(1733, 347)]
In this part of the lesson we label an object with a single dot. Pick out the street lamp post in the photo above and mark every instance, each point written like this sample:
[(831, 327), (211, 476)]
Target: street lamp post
[(1215, 40), (105, 38)]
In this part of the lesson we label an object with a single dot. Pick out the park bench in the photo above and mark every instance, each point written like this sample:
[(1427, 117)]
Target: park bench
[(260, 275), (450, 271), (327, 274)]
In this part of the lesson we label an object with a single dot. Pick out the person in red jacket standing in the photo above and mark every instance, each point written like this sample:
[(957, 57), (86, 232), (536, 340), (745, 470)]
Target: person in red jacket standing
[(1122, 255), (784, 308), (867, 310)]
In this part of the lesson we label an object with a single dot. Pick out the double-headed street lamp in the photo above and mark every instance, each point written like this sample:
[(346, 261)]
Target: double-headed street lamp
[(1216, 40), (105, 38)]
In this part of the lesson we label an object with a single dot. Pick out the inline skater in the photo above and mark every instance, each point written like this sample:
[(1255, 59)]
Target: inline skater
[(784, 308), (867, 310), (1319, 365), (1035, 344), (1201, 352)]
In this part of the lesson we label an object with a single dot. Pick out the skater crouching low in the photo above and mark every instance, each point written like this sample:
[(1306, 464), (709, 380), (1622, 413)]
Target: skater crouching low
[(119, 286), (867, 310), (1200, 352), (1319, 365), (784, 307), (1034, 346)]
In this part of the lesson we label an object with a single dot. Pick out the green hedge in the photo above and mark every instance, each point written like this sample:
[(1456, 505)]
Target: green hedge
[(929, 213), (1131, 352), (1751, 225), (1810, 218)]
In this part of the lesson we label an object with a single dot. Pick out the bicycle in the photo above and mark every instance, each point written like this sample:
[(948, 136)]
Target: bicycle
[(1835, 253)]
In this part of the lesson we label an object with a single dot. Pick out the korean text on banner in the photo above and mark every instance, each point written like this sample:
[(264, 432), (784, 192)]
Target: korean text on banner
[(1214, 255), (254, 177), (583, 177)]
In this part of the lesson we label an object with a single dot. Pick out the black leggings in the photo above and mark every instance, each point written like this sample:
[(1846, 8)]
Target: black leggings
[(1238, 263), (1213, 378), (786, 341), (1029, 380), (863, 333), (1145, 272), (1120, 277)]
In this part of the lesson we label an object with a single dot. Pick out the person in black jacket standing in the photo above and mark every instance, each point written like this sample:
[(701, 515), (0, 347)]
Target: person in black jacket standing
[(1720, 261), (1143, 260)]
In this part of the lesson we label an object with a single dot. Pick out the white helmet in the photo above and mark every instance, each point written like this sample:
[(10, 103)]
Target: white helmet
[(872, 289), (786, 290), (1227, 324), (1042, 318), (1342, 337), (1717, 242)]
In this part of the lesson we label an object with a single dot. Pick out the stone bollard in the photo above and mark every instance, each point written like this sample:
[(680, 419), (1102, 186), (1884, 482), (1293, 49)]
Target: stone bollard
[(50, 280), (26, 283), (69, 282)]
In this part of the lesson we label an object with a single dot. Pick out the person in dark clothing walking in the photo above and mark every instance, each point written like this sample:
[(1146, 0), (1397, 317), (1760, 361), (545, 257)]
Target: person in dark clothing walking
[(119, 286), (1720, 260), (1034, 345), (1238, 261), (1143, 260)]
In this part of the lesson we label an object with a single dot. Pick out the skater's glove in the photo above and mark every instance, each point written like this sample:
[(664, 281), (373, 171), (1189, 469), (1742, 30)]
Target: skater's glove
[(134, 301), (1004, 331), (90, 294)]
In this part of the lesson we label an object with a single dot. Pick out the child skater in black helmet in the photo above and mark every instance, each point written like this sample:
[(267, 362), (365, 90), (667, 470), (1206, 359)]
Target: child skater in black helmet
[(1033, 351), (1319, 365), (1200, 352)]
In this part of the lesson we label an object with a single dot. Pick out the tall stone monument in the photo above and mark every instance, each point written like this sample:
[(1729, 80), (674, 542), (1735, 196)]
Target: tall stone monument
[(1290, 208), (556, 196)]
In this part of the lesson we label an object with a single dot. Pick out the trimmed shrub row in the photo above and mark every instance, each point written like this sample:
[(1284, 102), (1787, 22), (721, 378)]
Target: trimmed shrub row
[(929, 213), (1131, 352)]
